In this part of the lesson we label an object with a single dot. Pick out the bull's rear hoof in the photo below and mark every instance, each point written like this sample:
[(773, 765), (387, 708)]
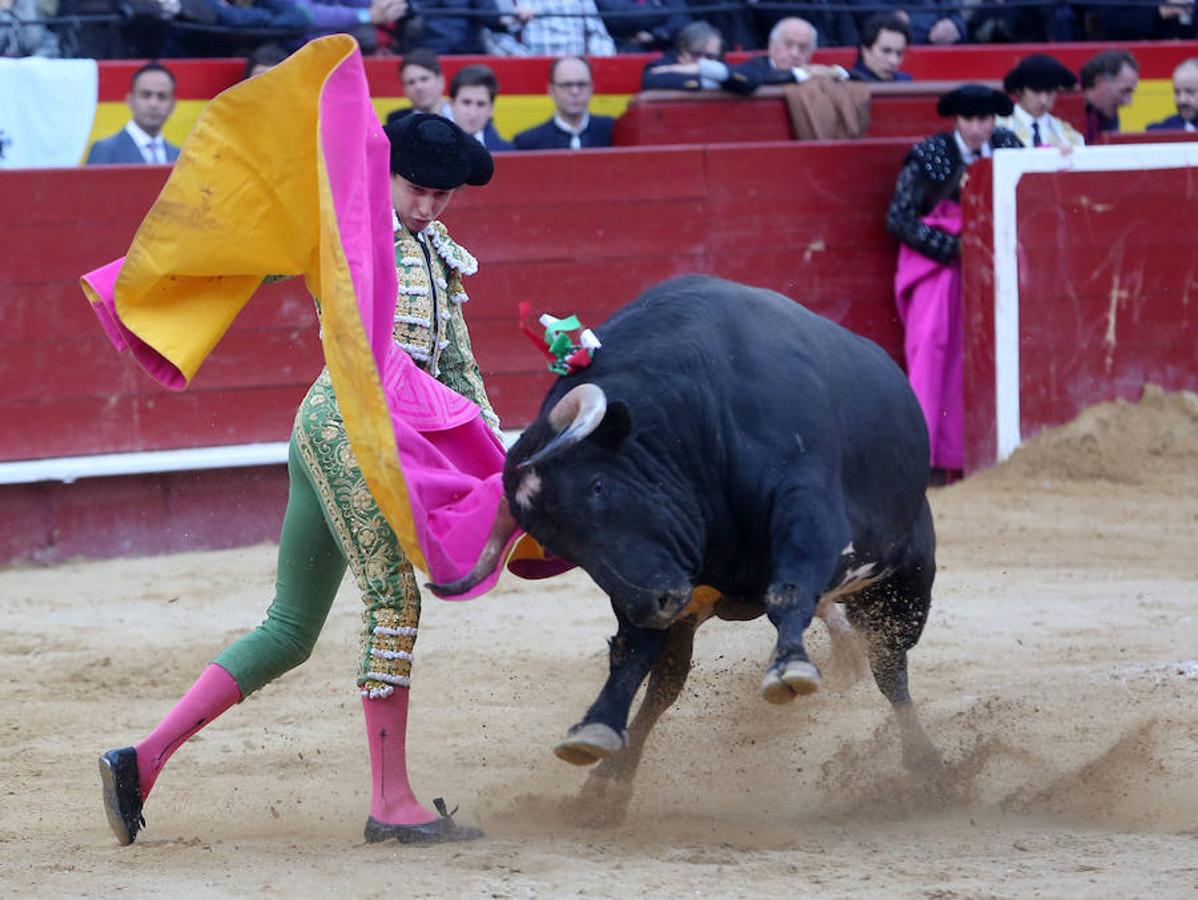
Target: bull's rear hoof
[(784, 682), (589, 743)]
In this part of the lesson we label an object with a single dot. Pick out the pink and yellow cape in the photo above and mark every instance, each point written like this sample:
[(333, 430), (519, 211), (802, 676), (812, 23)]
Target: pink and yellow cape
[(288, 174)]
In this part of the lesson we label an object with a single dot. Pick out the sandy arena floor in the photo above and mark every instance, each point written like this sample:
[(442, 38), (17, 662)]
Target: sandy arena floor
[(1058, 675)]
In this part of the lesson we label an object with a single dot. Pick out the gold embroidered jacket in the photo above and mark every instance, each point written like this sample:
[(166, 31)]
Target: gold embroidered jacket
[(429, 323)]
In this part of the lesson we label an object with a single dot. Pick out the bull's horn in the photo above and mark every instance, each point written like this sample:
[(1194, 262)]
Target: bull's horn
[(488, 559), (573, 417)]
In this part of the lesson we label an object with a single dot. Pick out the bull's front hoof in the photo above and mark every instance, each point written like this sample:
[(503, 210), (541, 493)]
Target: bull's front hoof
[(589, 743), (785, 681), (602, 802)]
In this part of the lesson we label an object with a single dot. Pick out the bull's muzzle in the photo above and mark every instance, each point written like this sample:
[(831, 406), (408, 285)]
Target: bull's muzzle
[(660, 612)]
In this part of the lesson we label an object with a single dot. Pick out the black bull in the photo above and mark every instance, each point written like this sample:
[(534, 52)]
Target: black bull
[(726, 436)]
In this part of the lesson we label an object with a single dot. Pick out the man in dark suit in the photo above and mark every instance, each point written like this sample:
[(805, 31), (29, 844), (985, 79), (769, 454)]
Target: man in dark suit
[(572, 126), (423, 85), (788, 57), (472, 99), (884, 41), (696, 64), (151, 99), (1109, 79), (1185, 95)]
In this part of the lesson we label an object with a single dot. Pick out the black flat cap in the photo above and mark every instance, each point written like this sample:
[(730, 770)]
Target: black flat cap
[(974, 100), (1039, 72), (433, 152)]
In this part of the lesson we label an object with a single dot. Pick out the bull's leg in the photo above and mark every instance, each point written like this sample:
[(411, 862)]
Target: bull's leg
[(891, 614), (808, 529), (608, 788), (848, 651), (602, 731)]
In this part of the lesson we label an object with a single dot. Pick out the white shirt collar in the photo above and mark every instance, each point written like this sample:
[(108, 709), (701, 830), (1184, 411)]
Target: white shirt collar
[(144, 141), (1046, 122), (561, 123), (967, 155)]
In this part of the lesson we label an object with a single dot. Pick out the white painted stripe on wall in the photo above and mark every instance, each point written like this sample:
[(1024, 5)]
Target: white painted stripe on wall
[(68, 469), (1009, 168)]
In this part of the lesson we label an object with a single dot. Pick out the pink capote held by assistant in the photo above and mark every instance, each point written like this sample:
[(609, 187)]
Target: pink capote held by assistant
[(928, 296)]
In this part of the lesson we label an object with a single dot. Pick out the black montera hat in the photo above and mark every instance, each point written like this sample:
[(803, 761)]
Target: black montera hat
[(1039, 72), (974, 100), (433, 152)]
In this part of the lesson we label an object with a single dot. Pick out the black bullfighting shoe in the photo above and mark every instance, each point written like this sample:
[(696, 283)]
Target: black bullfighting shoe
[(122, 793), (439, 831)]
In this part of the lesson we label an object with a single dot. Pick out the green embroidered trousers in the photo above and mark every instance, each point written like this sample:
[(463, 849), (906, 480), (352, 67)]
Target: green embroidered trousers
[(331, 521)]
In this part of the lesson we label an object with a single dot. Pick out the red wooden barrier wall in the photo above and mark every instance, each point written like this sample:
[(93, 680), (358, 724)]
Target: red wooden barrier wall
[(672, 117), (572, 232), (200, 78), (581, 232), (1106, 267)]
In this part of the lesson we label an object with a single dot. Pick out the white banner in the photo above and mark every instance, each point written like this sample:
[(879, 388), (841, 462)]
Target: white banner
[(47, 107)]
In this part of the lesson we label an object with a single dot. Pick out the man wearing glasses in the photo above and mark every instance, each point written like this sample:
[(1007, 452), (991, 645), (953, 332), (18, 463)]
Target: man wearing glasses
[(572, 126), (696, 64)]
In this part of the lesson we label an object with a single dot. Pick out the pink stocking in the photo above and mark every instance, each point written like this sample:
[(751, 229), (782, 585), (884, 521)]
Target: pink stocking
[(213, 693), (392, 800)]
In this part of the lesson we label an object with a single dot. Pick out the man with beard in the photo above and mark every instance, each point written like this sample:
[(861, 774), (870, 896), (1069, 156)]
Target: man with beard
[(151, 99), (1185, 95), (1109, 80)]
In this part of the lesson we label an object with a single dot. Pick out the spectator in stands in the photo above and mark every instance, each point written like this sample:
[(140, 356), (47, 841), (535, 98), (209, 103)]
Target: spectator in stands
[(642, 25), (1034, 84), (1014, 22), (734, 22), (572, 126), (834, 29), (1109, 80), (696, 64), (930, 21), (21, 34), (925, 215), (360, 18), (459, 34), (1185, 95), (472, 99), (788, 57), (237, 18), (884, 40), (263, 58), (151, 99), (1142, 22), (423, 84), (551, 28)]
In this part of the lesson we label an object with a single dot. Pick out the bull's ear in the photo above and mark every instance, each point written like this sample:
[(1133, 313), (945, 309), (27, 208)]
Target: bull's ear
[(616, 425)]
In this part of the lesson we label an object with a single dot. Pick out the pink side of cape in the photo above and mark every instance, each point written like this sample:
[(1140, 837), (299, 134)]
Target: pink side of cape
[(928, 296), (451, 460)]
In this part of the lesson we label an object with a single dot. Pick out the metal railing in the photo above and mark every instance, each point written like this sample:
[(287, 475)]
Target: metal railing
[(124, 16)]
